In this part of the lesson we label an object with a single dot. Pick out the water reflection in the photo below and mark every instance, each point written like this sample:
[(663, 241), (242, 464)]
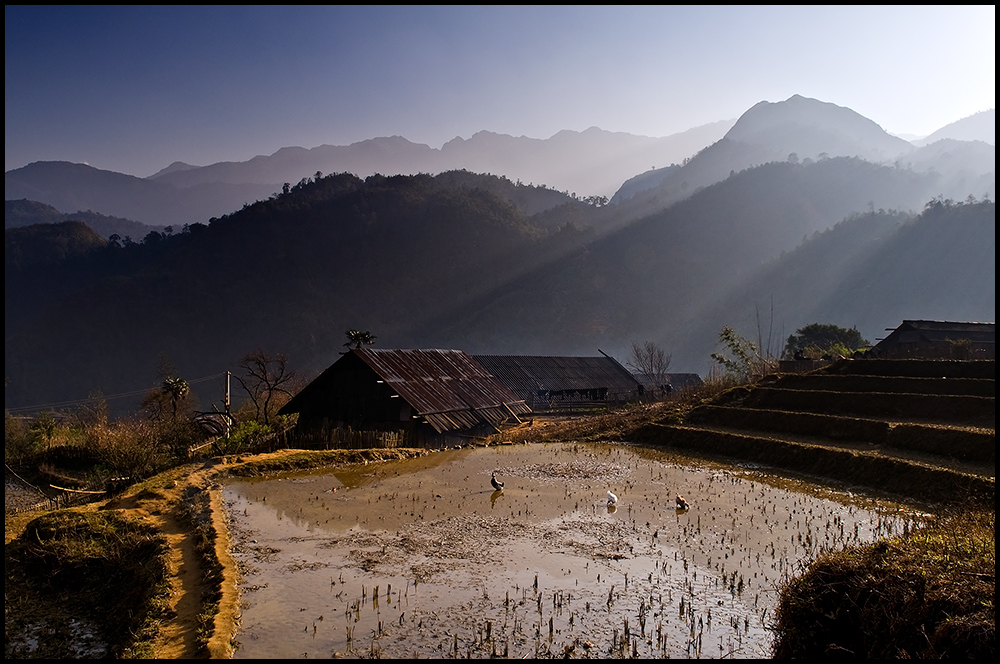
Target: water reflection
[(404, 559)]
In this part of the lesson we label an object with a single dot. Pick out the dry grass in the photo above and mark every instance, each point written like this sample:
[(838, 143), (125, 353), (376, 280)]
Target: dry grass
[(291, 460), (83, 584), (926, 595)]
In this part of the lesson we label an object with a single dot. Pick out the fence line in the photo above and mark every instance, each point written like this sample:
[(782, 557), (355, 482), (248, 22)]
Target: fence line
[(346, 438)]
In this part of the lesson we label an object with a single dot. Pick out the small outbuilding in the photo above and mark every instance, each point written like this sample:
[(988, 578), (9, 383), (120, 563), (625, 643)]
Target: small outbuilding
[(427, 397), (938, 339), (544, 382)]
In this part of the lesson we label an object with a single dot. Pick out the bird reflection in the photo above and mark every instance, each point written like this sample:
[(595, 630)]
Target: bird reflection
[(493, 497)]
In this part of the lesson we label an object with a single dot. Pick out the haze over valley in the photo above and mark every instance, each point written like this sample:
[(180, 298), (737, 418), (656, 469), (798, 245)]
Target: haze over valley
[(792, 210)]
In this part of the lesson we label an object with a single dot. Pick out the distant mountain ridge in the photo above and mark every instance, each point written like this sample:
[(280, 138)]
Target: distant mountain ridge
[(19, 213), (592, 162), (67, 186), (809, 127), (980, 126), (803, 129), (587, 163)]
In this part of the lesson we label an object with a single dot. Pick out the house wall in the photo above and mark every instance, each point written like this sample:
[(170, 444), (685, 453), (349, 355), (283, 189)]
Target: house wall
[(354, 397)]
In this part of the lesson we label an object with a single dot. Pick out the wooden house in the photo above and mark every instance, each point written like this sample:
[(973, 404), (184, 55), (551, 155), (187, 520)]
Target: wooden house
[(427, 397), (544, 382), (937, 339)]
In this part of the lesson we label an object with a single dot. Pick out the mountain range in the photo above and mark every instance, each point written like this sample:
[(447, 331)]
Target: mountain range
[(588, 163), (801, 212)]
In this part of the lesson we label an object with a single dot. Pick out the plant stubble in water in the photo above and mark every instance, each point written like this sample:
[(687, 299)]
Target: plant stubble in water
[(423, 558)]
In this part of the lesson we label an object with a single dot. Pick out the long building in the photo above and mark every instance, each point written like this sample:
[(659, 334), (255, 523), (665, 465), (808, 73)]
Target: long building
[(429, 396)]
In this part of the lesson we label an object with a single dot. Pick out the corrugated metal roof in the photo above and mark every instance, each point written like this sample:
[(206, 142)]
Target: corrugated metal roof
[(940, 330), (448, 388), (526, 375)]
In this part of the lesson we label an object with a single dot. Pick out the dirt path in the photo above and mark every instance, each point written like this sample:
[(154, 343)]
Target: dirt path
[(193, 587), (178, 638)]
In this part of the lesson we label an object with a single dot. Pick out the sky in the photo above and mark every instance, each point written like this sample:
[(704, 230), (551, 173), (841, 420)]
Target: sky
[(133, 89)]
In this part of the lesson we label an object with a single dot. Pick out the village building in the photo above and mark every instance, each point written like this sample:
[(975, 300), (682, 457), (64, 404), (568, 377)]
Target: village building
[(547, 382), (937, 339), (668, 383), (414, 397)]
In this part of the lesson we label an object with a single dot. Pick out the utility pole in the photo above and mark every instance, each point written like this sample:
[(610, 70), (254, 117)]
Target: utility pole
[(229, 417)]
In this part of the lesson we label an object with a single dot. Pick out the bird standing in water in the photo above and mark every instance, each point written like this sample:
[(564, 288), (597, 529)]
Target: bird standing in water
[(681, 503), (496, 484), (612, 499)]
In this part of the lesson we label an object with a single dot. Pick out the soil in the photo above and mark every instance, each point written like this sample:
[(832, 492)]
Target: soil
[(423, 558), (500, 553)]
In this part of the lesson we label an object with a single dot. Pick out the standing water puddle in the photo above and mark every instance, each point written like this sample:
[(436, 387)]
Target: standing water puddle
[(422, 558)]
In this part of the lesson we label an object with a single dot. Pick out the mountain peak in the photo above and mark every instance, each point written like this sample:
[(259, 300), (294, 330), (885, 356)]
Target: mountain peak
[(173, 168), (810, 127)]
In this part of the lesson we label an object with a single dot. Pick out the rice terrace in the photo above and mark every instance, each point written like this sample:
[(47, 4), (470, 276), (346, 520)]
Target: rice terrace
[(444, 332), (746, 523)]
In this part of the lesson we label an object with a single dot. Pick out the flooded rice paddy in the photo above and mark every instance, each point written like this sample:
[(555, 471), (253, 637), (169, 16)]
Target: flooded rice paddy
[(423, 558)]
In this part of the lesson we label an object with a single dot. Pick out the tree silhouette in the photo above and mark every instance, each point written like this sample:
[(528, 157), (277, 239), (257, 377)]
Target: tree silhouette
[(359, 338), (176, 390), (817, 339), (652, 362), (266, 379)]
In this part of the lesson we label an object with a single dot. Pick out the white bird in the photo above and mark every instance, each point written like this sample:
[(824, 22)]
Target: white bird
[(496, 484), (612, 498)]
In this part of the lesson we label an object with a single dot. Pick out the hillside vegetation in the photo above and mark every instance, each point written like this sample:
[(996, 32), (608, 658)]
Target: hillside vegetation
[(485, 265)]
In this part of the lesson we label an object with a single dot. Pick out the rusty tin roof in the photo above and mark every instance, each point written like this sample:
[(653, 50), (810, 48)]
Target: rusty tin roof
[(446, 387), (529, 374)]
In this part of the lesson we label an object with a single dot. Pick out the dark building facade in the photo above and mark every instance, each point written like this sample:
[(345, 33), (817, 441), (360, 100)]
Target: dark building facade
[(428, 396), (938, 339)]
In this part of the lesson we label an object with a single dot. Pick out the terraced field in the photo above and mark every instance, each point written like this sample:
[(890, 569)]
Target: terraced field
[(921, 429)]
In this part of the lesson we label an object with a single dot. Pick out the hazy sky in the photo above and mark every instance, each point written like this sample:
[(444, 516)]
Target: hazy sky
[(133, 89)]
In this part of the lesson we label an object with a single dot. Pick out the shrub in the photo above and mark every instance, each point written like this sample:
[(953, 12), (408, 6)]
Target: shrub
[(129, 448), (245, 437), (101, 567), (926, 595)]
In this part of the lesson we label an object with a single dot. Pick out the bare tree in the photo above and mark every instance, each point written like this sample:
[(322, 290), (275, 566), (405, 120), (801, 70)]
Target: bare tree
[(652, 362), (266, 379)]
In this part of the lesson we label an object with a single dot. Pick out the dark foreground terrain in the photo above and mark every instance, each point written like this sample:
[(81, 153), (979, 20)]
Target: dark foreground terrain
[(148, 572)]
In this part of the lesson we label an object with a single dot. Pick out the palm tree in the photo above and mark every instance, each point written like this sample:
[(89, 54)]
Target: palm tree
[(359, 338), (176, 389)]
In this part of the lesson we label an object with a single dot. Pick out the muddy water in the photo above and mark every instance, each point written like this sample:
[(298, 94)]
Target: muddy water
[(423, 558)]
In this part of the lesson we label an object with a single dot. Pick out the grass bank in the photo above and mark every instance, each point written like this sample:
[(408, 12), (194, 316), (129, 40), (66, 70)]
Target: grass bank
[(84, 584), (928, 595)]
